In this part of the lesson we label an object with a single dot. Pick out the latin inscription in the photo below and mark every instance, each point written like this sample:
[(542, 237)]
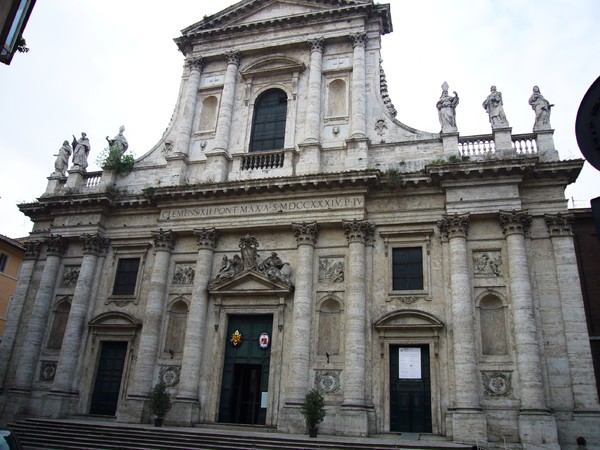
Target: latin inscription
[(263, 208)]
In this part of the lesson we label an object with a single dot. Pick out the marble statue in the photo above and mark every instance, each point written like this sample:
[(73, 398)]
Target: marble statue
[(446, 106), (62, 159), (118, 143), (493, 106), (81, 150), (542, 108)]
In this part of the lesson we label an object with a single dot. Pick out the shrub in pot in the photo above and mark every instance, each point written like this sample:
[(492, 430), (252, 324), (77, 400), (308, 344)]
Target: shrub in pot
[(313, 410), (160, 403)]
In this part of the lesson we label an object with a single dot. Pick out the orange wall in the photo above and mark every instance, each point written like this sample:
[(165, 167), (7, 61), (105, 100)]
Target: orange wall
[(8, 278)]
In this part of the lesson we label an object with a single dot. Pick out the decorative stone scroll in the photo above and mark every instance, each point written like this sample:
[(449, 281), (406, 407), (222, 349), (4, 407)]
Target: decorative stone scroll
[(358, 39), (408, 299), (273, 267), (329, 381), (306, 233), (560, 224), (206, 238), (456, 225), (55, 245), (380, 127), (195, 63), (184, 274), (163, 240), (331, 270), (497, 384), (70, 276), (358, 230), (487, 264), (232, 57), (170, 375), (94, 244), (48, 371), (515, 222), (32, 249), (317, 44)]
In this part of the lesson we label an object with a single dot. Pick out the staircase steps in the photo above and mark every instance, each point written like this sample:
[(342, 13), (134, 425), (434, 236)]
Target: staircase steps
[(47, 434)]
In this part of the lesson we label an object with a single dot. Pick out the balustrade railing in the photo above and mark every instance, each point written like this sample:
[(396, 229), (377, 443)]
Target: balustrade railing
[(473, 146), (92, 179), (525, 144), (262, 160)]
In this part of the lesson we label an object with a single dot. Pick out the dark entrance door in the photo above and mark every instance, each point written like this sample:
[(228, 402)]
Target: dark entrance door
[(410, 389), (108, 378), (244, 390)]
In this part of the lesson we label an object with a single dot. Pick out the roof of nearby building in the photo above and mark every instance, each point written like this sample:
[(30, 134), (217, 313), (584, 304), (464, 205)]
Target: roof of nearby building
[(13, 242)]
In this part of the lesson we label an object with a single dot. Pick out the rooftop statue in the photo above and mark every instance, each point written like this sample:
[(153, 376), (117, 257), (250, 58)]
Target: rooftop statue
[(446, 106), (542, 108), (493, 106), (62, 159), (118, 143), (81, 150)]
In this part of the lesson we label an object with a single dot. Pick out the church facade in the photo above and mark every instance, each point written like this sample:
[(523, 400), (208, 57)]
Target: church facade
[(287, 233)]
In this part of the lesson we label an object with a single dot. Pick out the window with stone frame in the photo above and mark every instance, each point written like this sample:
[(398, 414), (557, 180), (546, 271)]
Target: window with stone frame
[(269, 120), (60, 315), (176, 325), (407, 269), (3, 262), (126, 276)]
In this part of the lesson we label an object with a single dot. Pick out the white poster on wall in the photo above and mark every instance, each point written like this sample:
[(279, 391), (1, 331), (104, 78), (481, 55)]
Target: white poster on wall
[(410, 363)]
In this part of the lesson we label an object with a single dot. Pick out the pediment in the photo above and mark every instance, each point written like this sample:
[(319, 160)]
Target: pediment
[(273, 65), (249, 283), (409, 318), (114, 319), (250, 12)]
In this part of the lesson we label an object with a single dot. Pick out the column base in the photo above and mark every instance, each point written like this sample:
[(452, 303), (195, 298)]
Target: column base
[(133, 409), (60, 404), (15, 404), (184, 412), (309, 159), (469, 426), (357, 157), (353, 420), (538, 430), (217, 166)]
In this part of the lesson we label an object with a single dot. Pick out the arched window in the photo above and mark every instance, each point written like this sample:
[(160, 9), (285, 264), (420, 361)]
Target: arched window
[(492, 317), (268, 124), (176, 328), (59, 324)]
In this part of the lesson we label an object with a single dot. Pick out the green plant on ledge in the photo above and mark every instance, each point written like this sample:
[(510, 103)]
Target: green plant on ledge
[(160, 402), (313, 410), (115, 161)]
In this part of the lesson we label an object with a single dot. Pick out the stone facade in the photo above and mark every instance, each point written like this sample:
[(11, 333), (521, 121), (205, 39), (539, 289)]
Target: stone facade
[(346, 251)]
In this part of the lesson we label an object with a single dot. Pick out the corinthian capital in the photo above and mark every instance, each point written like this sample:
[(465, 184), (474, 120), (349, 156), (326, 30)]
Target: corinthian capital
[(55, 245), (455, 225), (32, 249), (232, 57), (358, 230), (206, 238), (358, 39), (514, 222), (306, 232), (559, 224), (163, 240), (94, 244), (195, 63), (317, 44)]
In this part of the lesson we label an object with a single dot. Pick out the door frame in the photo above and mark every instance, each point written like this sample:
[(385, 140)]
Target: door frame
[(410, 328)]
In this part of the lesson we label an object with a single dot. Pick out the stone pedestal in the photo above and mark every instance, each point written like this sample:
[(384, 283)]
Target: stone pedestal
[(217, 166), (450, 144), (309, 159), (538, 431), (469, 426), (75, 179), (545, 145), (177, 164), (503, 142), (357, 156), (353, 421), (55, 183)]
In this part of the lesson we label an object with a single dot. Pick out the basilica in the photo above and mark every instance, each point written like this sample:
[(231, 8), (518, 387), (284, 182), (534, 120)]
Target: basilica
[(288, 233)]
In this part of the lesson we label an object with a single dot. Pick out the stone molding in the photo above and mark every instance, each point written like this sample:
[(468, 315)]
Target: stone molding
[(32, 249), (170, 375), (94, 244), (48, 370), (515, 222), (317, 44), (497, 384), (184, 274), (232, 57), (358, 231), (206, 238), (559, 224), (163, 240), (70, 276), (55, 245), (358, 39), (456, 225), (306, 232), (329, 381), (331, 270)]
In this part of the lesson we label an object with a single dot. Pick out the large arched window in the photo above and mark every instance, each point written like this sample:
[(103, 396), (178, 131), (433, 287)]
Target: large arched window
[(268, 124)]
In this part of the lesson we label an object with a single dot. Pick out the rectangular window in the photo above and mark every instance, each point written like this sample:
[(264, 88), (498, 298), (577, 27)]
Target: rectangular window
[(126, 276), (407, 269), (3, 262)]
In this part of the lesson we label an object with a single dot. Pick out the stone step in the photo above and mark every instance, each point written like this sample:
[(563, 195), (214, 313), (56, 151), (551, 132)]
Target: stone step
[(95, 434)]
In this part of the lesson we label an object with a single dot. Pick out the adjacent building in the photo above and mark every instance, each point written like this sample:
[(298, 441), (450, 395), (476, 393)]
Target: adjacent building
[(287, 232), (11, 255)]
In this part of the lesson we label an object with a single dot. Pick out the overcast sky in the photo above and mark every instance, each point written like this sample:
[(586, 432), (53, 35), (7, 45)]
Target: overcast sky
[(95, 65)]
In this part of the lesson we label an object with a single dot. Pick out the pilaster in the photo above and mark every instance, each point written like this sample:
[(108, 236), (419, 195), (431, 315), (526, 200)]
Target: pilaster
[(186, 120), (358, 124)]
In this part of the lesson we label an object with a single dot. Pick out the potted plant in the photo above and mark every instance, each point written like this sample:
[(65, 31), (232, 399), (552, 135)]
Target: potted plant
[(160, 403), (313, 410)]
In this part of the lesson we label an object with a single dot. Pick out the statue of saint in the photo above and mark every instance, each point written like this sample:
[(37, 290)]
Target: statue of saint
[(62, 159), (542, 108), (118, 143), (446, 106), (81, 150), (495, 109)]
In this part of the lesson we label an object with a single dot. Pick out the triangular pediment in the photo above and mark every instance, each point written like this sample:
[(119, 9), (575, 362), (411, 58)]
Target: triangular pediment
[(249, 12), (249, 283)]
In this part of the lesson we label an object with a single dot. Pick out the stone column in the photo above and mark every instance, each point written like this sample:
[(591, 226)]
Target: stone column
[(186, 120), (93, 247), (146, 355), (219, 156), (13, 316), (299, 352), (535, 423), (560, 227), (358, 122), (55, 245), (468, 422), (206, 239)]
